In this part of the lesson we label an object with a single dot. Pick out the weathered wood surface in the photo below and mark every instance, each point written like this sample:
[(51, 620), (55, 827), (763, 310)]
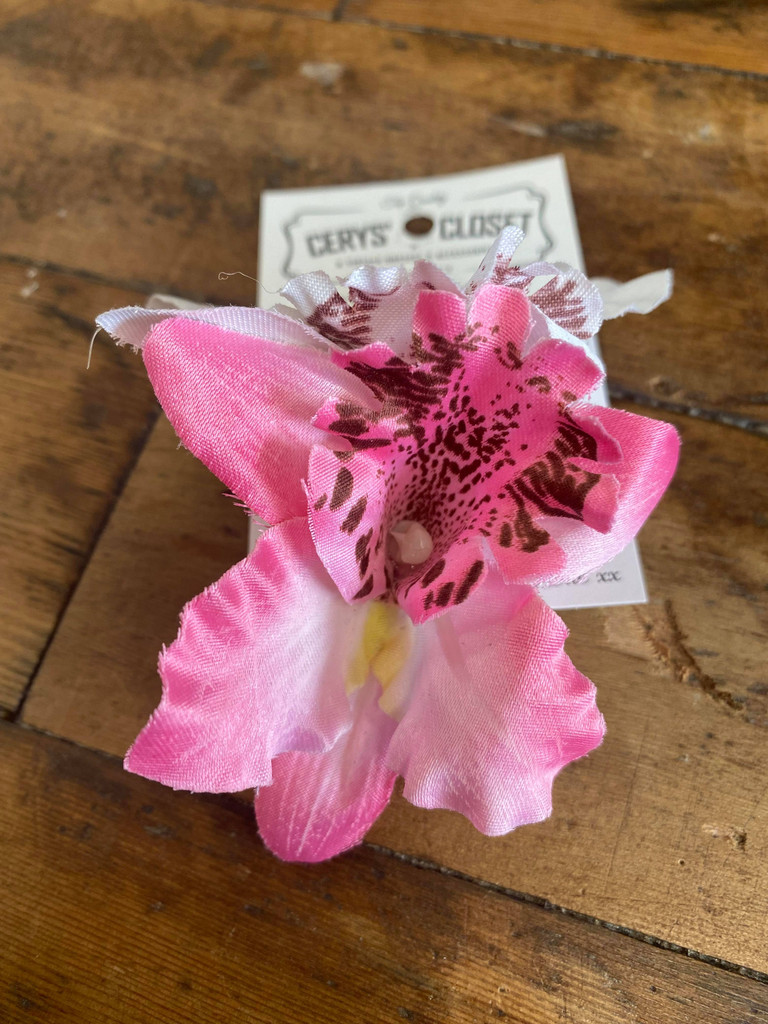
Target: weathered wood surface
[(721, 35), (67, 438), (125, 903), (136, 139), (663, 830), (158, 144), (171, 534)]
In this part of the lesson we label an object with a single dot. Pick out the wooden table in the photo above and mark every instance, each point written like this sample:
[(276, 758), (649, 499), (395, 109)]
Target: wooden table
[(135, 140)]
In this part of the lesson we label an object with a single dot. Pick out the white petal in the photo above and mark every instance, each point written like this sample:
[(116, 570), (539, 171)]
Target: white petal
[(638, 296)]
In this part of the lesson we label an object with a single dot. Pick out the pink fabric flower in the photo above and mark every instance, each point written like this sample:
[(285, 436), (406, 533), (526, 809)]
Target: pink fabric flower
[(425, 457)]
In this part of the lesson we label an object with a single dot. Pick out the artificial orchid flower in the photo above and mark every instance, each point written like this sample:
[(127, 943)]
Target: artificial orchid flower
[(426, 457)]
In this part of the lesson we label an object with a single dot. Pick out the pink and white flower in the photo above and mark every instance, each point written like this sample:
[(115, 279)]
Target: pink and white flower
[(426, 457)]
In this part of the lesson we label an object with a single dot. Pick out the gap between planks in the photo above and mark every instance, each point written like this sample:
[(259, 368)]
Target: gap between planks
[(522, 897), (722, 417), (338, 14), (531, 44), (13, 715), (512, 894)]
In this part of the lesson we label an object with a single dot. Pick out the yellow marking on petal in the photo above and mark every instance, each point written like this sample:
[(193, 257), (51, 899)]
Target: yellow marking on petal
[(383, 619), (385, 647), (357, 673)]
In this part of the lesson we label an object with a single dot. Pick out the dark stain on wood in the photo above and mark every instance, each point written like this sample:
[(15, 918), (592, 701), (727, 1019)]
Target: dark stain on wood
[(43, 41), (725, 12), (211, 54)]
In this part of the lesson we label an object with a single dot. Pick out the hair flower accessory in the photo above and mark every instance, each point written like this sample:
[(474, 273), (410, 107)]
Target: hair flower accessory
[(426, 458)]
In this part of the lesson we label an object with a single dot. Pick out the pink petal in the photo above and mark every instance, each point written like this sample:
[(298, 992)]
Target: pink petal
[(444, 315), (568, 369), (243, 405), (649, 453), (507, 315), (503, 314), (319, 805), (496, 709), (257, 669), (449, 580)]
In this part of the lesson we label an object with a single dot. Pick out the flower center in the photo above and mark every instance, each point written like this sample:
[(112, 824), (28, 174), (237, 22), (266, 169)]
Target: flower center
[(385, 646), (409, 543)]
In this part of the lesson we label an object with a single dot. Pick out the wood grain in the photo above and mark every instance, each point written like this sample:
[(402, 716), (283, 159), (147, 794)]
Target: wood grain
[(125, 903), (171, 534), (154, 163), (662, 830), (722, 35), (67, 437), (136, 138)]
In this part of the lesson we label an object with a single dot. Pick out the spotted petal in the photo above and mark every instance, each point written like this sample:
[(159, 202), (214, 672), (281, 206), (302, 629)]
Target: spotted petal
[(565, 296), (380, 307), (497, 261), (473, 442), (566, 303), (649, 453)]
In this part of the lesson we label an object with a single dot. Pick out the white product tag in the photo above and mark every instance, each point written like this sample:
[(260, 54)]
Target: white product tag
[(450, 220)]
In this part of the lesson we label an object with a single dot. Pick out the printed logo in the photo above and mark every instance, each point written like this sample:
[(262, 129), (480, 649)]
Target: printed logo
[(438, 228)]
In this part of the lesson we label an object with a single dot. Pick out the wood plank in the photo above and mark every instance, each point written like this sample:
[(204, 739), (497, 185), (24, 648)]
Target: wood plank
[(164, 543), (124, 903), (154, 166), (67, 436), (721, 35), (320, 8), (664, 829)]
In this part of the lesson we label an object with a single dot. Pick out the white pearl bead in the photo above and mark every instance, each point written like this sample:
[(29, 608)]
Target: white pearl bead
[(409, 542)]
